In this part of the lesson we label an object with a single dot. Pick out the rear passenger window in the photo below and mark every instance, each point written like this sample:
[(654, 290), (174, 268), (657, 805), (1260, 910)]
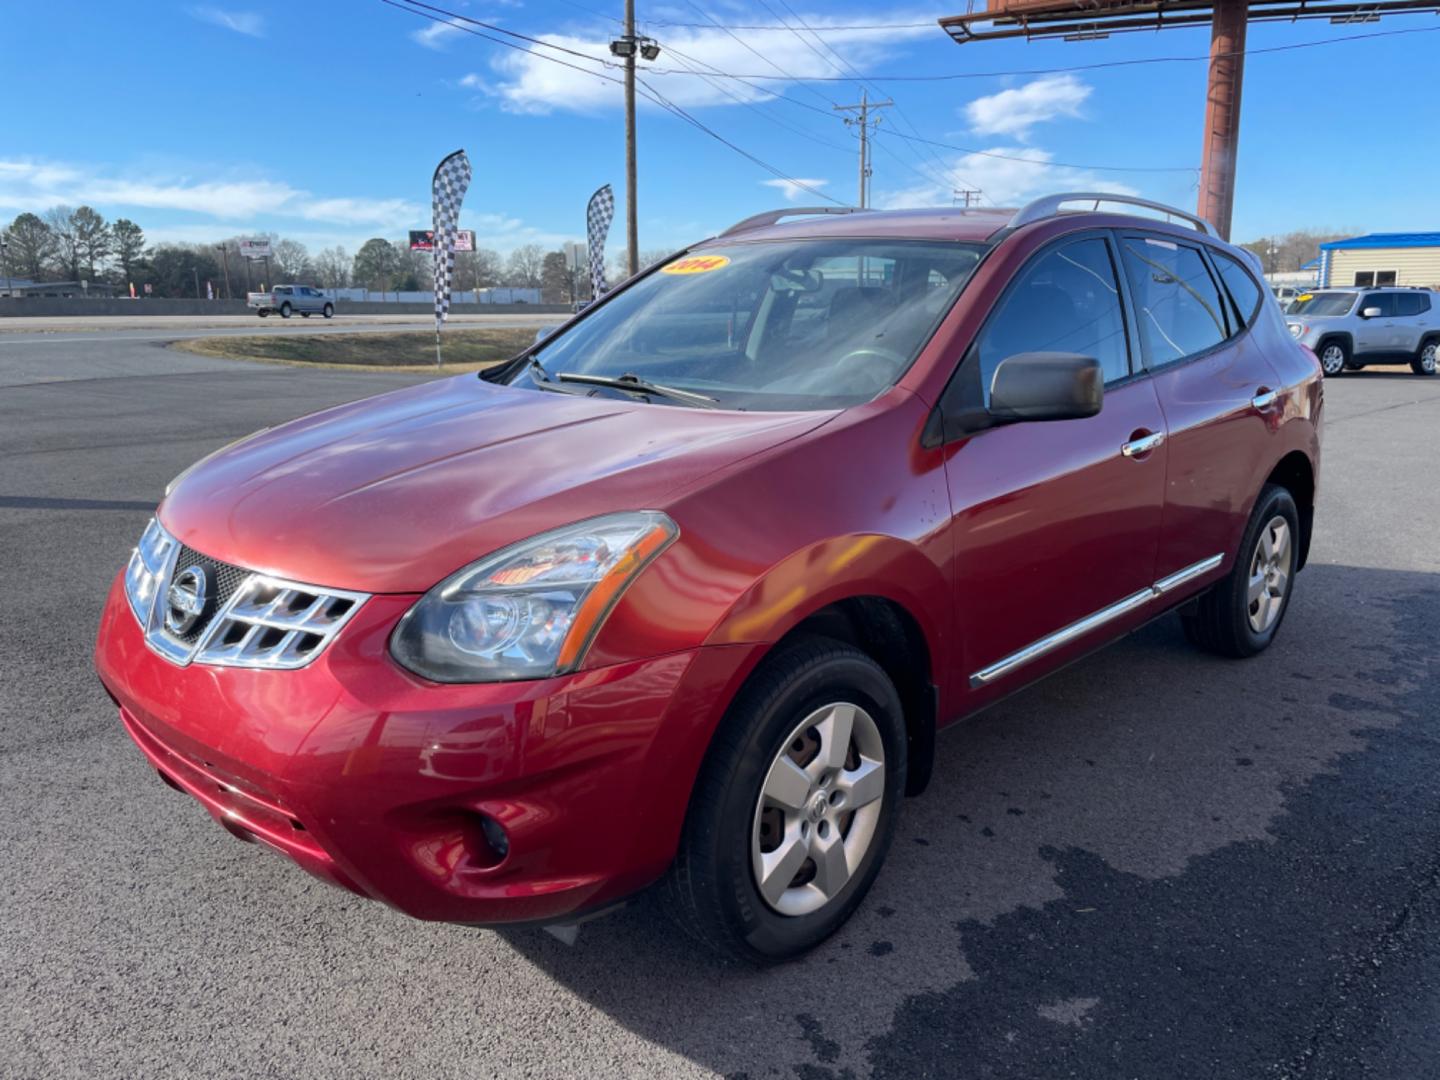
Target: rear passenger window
[(1241, 286), (1067, 300), (1416, 303), (1177, 302)]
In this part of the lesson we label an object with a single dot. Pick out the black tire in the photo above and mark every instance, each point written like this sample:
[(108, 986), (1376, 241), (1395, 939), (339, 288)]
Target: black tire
[(711, 889), (304, 314), (1334, 356), (1426, 361), (1221, 621), (262, 313), (329, 311), (284, 311)]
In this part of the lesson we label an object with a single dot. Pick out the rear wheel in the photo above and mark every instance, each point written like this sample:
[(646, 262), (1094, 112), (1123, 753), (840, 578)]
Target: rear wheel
[(1241, 615), (262, 313), (1334, 357), (1425, 361), (284, 311), (304, 314), (795, 805), (329, 311)]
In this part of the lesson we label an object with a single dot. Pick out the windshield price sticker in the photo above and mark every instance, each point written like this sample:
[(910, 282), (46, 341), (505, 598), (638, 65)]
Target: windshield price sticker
[(696, 264)]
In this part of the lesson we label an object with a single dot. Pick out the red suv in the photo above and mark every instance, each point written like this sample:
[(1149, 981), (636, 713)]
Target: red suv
[(683, 592)]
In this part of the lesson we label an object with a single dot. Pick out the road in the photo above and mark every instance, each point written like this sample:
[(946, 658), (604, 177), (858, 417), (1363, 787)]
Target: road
[(1152, 865)]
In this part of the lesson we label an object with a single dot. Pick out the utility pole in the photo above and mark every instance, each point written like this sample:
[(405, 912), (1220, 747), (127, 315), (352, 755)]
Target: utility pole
[(5, 259), (627, 47), (970, 195), (866, 125), (225, 259)]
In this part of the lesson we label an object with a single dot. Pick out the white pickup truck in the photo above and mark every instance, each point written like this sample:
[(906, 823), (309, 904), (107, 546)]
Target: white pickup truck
[(285, 299)]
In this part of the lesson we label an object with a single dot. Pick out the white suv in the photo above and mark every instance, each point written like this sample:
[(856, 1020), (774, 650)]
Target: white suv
[(1351, 327)]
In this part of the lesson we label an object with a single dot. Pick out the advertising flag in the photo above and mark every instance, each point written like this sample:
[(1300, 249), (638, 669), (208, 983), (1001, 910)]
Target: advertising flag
[(597, 227), (448, 187)]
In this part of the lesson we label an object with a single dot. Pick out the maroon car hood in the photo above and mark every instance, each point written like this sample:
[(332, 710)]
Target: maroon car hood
[(394, 493)]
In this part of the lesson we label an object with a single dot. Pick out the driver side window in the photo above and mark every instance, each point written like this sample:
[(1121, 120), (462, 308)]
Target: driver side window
[(1067, 300)]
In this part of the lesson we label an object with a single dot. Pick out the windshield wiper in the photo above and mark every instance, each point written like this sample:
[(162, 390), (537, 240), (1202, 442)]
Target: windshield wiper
[(545, 381), (631, 383)]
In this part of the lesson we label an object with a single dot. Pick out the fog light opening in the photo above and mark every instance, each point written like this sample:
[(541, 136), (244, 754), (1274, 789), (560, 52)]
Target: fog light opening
[(495, 837)]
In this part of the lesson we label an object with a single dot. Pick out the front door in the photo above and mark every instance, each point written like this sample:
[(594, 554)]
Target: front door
[(1056, 522), (1377, 333)]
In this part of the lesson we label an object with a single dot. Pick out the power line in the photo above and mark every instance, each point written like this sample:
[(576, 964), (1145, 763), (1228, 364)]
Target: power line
[(1036, 161), (444, 16), (933, 23), (1101, 65)]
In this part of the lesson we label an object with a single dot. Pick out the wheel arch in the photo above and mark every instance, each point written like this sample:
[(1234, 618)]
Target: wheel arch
[(1296, 474)]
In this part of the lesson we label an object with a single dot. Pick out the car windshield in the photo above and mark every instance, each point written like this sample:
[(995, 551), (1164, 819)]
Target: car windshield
[(800, 324), (1322, 303)]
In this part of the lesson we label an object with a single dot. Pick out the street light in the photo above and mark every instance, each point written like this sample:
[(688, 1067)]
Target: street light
[(626, 47)]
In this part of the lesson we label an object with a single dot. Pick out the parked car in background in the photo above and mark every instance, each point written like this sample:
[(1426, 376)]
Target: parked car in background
[(1351, 327), (683, 592), (291, 299)]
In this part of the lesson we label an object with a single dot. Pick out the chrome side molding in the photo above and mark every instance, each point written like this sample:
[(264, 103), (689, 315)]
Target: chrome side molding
[(1066, 634)]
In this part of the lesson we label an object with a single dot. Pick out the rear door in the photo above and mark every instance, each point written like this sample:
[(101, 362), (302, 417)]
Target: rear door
[(1055, 523), (1219, 394), (1411, 311)]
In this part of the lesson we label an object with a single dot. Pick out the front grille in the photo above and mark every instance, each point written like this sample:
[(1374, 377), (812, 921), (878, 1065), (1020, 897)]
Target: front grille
[(253, 620), (227, 578)]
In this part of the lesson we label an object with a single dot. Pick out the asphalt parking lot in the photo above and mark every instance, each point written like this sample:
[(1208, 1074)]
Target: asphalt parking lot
[(1152, 865)]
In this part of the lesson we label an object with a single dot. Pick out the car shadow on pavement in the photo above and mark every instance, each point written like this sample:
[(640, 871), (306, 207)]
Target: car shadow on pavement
[(1140, 763)]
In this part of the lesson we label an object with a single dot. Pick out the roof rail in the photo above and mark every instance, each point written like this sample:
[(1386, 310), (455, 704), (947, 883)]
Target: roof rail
[(1051, 205), (770, 217)]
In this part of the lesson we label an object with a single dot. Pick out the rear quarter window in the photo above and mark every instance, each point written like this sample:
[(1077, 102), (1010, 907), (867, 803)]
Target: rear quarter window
[(1177, 302), (1243, 290)]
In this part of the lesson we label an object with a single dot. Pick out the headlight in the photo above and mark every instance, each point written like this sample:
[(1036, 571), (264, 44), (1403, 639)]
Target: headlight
[(532, 609), (1297, 329), (146, 568)]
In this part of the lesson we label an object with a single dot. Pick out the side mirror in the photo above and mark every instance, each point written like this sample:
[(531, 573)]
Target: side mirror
[(1370, 313), (1046, 386)]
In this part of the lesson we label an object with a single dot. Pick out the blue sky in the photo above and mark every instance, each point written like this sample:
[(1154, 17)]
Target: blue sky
[(323, 121)]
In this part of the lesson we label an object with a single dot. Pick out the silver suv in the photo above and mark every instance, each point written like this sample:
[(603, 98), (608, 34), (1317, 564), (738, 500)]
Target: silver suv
[(1351, 327)]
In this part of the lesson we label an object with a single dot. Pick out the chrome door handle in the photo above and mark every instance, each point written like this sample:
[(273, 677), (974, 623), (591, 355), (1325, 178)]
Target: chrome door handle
[(1264, 399), (1136, 447)]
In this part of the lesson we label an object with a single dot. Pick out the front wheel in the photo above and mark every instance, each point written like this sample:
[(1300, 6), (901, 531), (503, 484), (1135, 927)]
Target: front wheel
[(1241, 615), (1425, 360), (1334, 357), (794, 807), (262, 313), (284, 311)]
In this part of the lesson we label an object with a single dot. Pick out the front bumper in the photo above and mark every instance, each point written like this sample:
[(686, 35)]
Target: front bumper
[(378, 781)]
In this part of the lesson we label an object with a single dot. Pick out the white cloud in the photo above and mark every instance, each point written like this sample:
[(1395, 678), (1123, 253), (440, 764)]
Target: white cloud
[(1014, 112), (437, 35), (36, 186), (249, 23), (1022, 174), (529, 83), (795, 190)]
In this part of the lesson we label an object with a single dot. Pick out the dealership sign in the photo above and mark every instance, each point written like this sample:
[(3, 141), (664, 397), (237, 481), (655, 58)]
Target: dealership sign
[(424, 240), (255, 249)]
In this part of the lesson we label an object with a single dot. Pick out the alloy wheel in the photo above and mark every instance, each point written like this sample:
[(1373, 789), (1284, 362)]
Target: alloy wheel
[(818, 809), (1270, 569), (1427, 358), (1332, 359)]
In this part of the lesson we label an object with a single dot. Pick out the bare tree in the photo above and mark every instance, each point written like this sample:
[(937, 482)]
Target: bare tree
[(525, 266), (1292, 250), (333, 266), (61, 220), (292, 260)]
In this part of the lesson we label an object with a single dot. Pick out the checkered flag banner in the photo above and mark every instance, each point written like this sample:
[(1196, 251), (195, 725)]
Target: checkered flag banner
[(452, 179), (597, 227)]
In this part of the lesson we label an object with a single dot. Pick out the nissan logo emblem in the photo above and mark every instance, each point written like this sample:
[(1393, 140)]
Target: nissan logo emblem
[(186, 599)]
